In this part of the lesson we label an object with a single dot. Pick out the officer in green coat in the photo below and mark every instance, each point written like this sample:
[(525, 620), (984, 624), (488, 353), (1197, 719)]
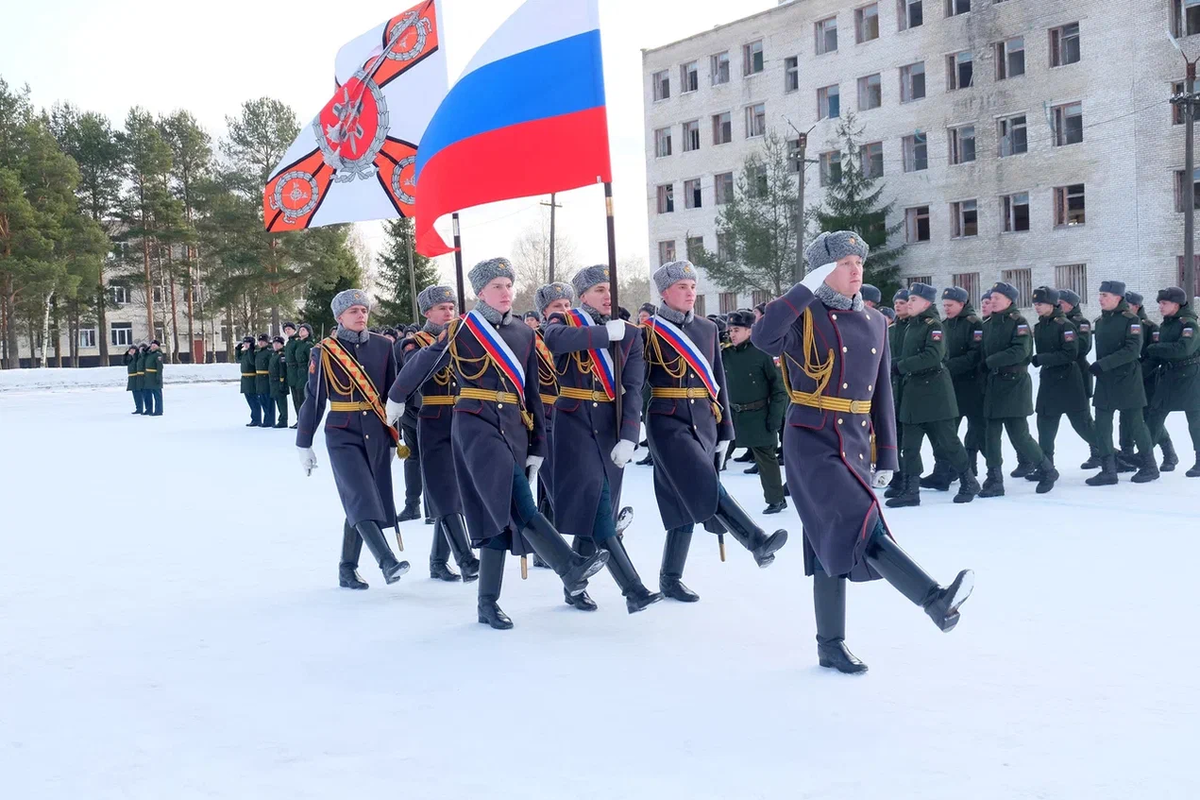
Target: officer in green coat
[(1060, 388), (292, 369), (1177, 376), (758, 401), (929, 407), (895, 342), (132, 381), (277, 367), (300, 356), (153, 382), (244, 353), (964, 356), (1126, 457), (1119, 386), (262, 380), (1008, 391)]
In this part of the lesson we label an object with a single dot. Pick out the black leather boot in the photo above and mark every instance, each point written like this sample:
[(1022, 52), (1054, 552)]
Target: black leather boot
[(1149, 468), (973, 461), (1107, 476), (747, 534), (411, 511), (670, 577), (898, 569), (1023, 469), (1170, 457), (439, 552), (574, 569), (582, 601), (454, 530), (348, 577), (1094, 460), (491, 576), (940, 479), (968, 487), (372, 536), (993, 485), (910, 496), (1128, 460), (829, 603), (746, 457), (753, 470), (775, 508), (896, 487), (1194, 472), (637, 596), (648, 461), (1047, 475)]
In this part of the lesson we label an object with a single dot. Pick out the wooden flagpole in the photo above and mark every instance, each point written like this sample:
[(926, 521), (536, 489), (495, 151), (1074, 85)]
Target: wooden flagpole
[(616, 308)]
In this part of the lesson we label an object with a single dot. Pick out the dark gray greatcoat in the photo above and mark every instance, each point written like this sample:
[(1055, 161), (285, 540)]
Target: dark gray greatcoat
[(434, 426)]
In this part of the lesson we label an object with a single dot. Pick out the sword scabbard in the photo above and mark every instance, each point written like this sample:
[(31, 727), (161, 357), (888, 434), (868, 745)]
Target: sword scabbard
[(524, 568)]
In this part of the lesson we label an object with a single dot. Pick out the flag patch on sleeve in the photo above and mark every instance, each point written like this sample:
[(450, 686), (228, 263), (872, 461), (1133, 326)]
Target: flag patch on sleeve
[(1085, 326), (1154, 336), (1135, 327), (1068, 336), (979, 336), (935, 335), (1022, 330), (1188, 332)]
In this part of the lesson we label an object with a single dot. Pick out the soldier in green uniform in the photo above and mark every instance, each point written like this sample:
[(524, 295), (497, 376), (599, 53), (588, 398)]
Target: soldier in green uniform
[(293, 371), (1070, 302), (758, 401), (244, 353), (1060, 389), (277, 367), (964, 355), (304, 346), (1119, 386), (895, 342), (262, 380), (133, 382), (1126, 458), (1177, 377), (140, 376), (929, 407), (152, 387), (1008, 391)]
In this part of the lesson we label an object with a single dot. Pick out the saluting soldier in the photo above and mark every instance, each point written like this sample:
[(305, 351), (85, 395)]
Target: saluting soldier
[(244, 353), (434, 424), (499, 432), (591, 445), (1060, 385), (1069, 302), (964, 356), (841, 411), (690, 429), (1119, 386), (346, 370), (293, 369), (929, 407), (1008, 392), (896, 344), (1126, 460), (277, 367), (1177, 354), (132, 382), (262, 380), (152, 395)]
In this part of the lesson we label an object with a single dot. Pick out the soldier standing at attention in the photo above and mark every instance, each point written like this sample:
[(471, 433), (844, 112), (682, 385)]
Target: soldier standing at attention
[(262, 381), (346, 370), (304, 346), (895, 345), (245, 357), (1119, 386), (1177, 354), (758, 402), (279, 385), (1069, 302), (690, 431), (293, 370), (964, 352), (153, 368), (871, 296), (1060, 385), (1008, 392), (132, 382), (1126, 460), (414, 486), (842, 410)]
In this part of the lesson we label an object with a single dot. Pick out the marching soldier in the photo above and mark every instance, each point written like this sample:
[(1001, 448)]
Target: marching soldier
[(434, 424), (895, 344), (1119, 386), (414, 488), (277, 367), (929, 407), (1177, 380), (245, 356), (499, 432), (758, 402), (1126, 461), (1069, 302), (690, 429), (551, 298), (964, 354), (1008, 392), (153, 367), (133, 381), (591, 445), (1060, 385), (346, 370), (841, 411)]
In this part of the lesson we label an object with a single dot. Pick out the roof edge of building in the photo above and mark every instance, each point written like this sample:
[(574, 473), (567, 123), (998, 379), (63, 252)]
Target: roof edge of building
[(773, 10)]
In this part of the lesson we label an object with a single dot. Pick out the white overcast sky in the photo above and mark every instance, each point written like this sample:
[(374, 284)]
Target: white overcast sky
[(210, 56)]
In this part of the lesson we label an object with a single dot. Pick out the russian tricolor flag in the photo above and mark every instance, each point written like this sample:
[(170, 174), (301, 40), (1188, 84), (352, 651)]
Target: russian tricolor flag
[(527, 117)]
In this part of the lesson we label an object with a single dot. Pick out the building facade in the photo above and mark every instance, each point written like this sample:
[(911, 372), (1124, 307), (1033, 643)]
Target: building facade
[(1032, 142)]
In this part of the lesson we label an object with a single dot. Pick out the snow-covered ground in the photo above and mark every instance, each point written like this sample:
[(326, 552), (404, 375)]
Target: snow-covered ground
[(27, 380), (171, 627)]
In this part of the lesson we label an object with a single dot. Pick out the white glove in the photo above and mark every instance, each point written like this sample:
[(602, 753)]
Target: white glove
[(813, 280), (308, 459), (622, 453), (394, 412), (722, 449), (882, 478), (532, 465), (616, 329)]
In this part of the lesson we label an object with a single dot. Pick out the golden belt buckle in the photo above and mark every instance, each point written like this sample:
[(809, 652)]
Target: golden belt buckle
[(499, 397), (598, 396), (856, 407)]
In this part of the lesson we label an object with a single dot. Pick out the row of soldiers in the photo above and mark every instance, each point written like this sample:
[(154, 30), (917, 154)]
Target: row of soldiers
[(274, 369), (144, 377)]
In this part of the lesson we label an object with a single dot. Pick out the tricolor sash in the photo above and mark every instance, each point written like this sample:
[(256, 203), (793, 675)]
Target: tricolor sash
[(498, 350), (688, 351), (602, 363), (359, 380)]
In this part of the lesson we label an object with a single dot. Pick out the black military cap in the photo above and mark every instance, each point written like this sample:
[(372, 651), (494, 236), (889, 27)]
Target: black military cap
[(278, 340), (291, 325), (741, 319), (649, 308), (1133, 298), (623, 313), (1172, 294), (154, 342), (262, 337), (1045, 294), (532, 315), (390, 332)]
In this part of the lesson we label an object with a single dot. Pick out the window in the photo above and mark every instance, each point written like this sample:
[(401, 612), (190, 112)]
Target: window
[(719, 65), (689, 77), (829, 105), (723, 188), (916, 155), (666, 198), (756, 120), (794, 154), (1068, 124), (870, 92), (158, 294), (695, 246), (1073, 277), (691, 194), (118, 294), (1181, 190), (1014, 136), (831, 168), (791, 74), (962, 144), (964, 219), (826, 36), (724, 251), (722, 128), (1069, 205), (662, 143), (661, 82), (752, 58), (1187, 24), (909, 14), (727, 302), (960, 68), (866, 23), (699, 308), (87, 337), (925, 279), (912, 82), (916, 224), (758, 297), (1022, 281), (666, 252), (1010, 58), (691, 136), (1064, 45), (871, 156), (1015, 211), (160, 333), (121, 334), (956, 7), (969, 281)]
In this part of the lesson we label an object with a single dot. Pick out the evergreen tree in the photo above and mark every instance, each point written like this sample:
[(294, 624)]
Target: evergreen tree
[(317, 312), (394, 299)]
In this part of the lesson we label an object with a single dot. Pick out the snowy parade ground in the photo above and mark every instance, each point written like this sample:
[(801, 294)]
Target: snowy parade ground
[(171, 628)]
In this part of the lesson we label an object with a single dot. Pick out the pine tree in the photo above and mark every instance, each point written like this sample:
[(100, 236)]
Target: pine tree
[(852, 203), (394, 300)]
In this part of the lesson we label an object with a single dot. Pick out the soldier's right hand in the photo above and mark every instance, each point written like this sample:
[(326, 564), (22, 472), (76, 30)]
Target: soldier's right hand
[(308, 459), (813, 280), (394, 412), (616, 329)]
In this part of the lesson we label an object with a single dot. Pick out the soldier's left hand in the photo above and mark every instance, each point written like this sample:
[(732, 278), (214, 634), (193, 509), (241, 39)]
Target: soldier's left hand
[(394, 412), (722, 449), (622, 453), (1096, 369), (882, 478)]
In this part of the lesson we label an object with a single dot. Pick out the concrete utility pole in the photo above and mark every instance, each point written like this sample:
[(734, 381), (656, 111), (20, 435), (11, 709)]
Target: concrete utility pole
[(1188, 101), (803, 162), (553, 205)]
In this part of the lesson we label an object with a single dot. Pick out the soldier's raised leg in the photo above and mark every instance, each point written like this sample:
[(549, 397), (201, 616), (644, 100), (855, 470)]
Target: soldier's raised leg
[(1044, 472), (993, 485), (1104, 444), (1148, 467)]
